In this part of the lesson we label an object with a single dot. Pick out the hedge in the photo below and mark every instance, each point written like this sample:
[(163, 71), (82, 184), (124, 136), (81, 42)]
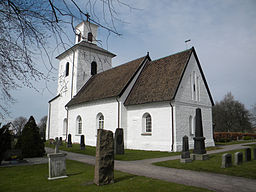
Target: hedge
[(232, 136)]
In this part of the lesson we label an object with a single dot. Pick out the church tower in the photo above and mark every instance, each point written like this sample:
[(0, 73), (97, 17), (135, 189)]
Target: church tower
[(76, 66)]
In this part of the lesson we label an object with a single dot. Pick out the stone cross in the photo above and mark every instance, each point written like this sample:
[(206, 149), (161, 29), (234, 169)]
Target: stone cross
[(226, 160), (69, 141), (185, 154), (119, 141), (104, 161), (247, 154), (82, 145), (56, 143), (238, 158)]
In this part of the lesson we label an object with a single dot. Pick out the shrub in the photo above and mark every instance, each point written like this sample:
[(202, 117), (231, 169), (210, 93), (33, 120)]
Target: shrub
[(5, 141), (30, 141), (247, 137), (232, 136)]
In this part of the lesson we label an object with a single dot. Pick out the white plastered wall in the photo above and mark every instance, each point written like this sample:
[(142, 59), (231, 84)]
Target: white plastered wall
[(88, 112), (160, 139), (185, 106)]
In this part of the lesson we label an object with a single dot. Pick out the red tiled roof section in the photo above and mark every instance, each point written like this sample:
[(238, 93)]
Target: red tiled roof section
[(107, 84), (159, 79)]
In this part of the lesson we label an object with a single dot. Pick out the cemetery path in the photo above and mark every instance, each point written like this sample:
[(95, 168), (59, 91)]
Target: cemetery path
[(212, 181)]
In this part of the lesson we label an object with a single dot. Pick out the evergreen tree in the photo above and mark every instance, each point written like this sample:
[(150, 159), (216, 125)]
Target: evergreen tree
[(5, 140), (229, 115), (30, 141)]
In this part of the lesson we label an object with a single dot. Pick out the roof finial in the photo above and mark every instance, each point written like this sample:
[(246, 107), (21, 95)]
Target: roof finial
[(187, 43), (88, 16)]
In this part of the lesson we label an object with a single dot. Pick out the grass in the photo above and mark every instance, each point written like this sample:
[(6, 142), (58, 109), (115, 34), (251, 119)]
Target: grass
[(130, 155), (234, 142), (80, 177), (247, 169)]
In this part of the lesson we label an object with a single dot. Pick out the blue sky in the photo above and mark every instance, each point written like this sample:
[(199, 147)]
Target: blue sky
[(223, 33)]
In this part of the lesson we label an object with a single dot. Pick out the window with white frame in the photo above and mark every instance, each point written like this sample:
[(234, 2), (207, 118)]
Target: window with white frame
[(146, 123), (100, 121), (65, 125), (79, 125), (195, 86), (191, 126)]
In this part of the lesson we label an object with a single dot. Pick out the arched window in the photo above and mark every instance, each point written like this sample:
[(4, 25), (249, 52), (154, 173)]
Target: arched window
[(93, 68), (79, 125), (79, 37), (67, 69), (100, 121), (147, 123), (65, 125), (89, 36)]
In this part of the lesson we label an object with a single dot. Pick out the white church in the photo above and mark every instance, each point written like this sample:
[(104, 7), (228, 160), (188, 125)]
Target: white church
[(153, 101)]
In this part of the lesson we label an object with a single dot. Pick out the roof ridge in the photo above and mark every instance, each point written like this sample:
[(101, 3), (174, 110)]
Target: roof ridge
[(191, 49)]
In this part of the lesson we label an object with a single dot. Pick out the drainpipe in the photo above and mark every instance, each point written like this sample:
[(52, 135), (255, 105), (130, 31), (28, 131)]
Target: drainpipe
[(172, 117), (72, 77), (118, 113), (67, 125), (49, 119)]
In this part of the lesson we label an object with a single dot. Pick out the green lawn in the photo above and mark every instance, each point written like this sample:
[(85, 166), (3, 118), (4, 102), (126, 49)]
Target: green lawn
[(34, 178), (130, 155), (247, 169), (234, 142)]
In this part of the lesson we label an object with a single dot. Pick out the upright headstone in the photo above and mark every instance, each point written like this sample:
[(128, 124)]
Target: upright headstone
[(104, 161), (119, 141), (254, 153), (56, 143), (226, 160), (199, 145), (247, 154), (238, 158), (69, 141), (61, 142), (57, 166), (185, 154), (82, 145)]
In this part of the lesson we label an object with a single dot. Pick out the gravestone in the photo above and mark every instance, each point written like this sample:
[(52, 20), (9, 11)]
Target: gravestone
[(57, 166), (185, 154), (247, 154), (104, 161), (119, 141), (56, 143), (254, 153), (226, 160), (69, 141), (61, 142), (238, 158), (82, 145), (199, 152)]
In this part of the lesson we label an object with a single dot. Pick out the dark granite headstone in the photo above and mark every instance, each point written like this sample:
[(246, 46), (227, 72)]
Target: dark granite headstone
[(69, 141), (119, 141), (104, 161), (238, 158), (254, 153), (247, 154), (226, 160), (199, 145), (82, 145), (185, 154), (61, 142)]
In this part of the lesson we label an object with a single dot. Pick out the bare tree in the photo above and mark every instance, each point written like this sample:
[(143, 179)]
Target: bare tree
[(26, 28), (18, 124), (230, 115)]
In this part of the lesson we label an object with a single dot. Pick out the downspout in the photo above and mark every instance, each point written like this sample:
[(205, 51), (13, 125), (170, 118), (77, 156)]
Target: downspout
[(67, 124), (118, 114), (172, 117), (72, 77), (49, 119)]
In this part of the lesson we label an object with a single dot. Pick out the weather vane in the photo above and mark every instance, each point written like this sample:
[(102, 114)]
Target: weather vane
[(187, 43)]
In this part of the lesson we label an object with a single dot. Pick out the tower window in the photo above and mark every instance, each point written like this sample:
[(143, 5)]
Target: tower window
[(67, 69), (79, 37), (93, 68), (89, 37)]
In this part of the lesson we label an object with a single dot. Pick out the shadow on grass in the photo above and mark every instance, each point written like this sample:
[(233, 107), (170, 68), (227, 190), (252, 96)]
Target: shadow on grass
[(73, 174), (127, 177)]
